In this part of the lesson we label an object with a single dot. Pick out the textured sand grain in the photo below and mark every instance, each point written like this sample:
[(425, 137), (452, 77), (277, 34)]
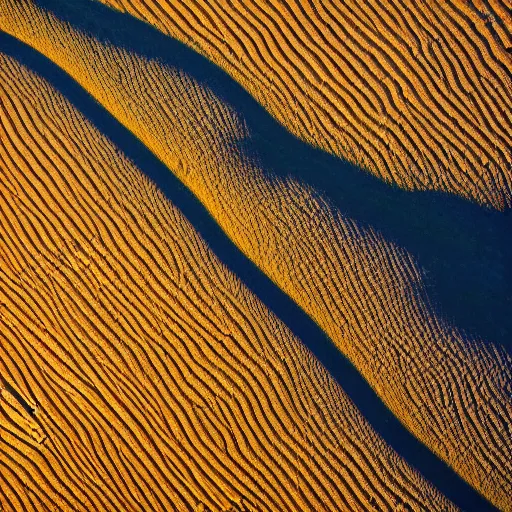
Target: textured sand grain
[(154, 380), (367, 294), (417, 92)]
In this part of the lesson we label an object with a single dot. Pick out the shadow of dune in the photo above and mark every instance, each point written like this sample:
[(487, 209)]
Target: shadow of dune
[(463, 247)]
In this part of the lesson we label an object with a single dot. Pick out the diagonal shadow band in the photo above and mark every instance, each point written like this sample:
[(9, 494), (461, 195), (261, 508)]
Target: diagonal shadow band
[(356, 387), (464, 248)]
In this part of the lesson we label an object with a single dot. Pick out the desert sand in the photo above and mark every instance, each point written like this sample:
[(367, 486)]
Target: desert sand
[(449, 388), (152, 379)]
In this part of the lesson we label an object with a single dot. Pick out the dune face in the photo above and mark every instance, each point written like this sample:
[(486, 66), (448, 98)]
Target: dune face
[(137, 372), (367, 294), (417, 92)]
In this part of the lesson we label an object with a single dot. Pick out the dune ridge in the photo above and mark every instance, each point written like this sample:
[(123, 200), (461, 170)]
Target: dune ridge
[(137, 373), (418, 93), (449, 390)]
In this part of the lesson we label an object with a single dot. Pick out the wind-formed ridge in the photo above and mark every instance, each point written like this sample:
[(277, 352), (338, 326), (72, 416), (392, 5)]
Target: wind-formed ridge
[(365, 292), (157, 381)]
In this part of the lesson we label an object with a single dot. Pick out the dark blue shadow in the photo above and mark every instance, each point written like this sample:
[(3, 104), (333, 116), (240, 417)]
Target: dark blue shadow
[(465, 249), (355, 193)]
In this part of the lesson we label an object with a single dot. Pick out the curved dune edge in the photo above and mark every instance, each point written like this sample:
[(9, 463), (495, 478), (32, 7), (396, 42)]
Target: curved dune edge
[(449, 391), (154, 380), (418, 93)]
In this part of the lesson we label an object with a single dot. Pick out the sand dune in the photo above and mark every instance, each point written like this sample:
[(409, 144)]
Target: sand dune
[(418, 93), (137, 373), (367, 294)]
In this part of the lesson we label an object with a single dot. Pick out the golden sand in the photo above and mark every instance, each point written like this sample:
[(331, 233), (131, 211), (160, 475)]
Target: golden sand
[(366, 293), (156, 380)]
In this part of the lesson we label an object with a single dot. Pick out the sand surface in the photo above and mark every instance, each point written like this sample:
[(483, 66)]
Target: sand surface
[(368, 293), (137, 372)]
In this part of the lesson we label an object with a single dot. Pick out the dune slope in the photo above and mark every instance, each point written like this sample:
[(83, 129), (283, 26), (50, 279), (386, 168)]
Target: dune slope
[(137, 373), (417, 92), (450, 391)]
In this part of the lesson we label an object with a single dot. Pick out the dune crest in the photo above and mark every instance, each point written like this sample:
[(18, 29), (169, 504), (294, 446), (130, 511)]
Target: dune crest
[(417, 92), (137, 372), (452, 392)]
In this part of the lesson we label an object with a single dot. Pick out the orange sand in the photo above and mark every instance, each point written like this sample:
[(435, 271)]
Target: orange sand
[(366, 293), (157, 380)]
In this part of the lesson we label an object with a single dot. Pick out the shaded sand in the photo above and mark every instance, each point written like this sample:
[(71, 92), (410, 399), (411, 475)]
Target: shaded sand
[(367, 294), (417, 92), (137, 373)]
